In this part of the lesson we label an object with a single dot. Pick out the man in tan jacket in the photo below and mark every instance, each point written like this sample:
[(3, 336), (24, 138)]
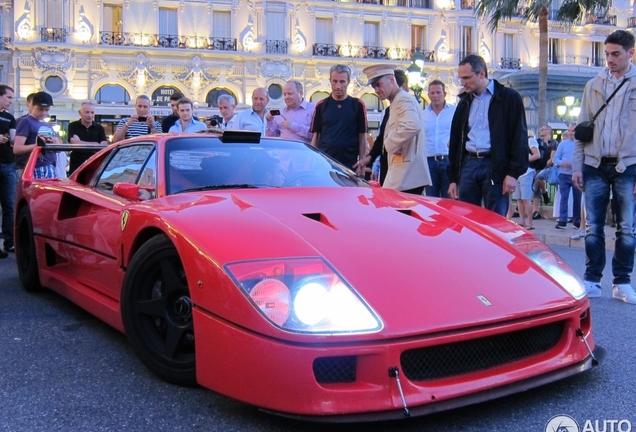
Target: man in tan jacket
[(403, 134)]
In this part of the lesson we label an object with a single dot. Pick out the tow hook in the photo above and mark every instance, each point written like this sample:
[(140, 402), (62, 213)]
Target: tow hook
[(394, 372), (580, 334)]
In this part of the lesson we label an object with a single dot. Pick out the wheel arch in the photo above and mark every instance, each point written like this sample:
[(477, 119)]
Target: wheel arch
[(142, 237)]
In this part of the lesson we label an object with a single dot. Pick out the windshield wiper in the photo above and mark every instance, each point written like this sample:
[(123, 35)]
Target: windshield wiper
[(223, 186)]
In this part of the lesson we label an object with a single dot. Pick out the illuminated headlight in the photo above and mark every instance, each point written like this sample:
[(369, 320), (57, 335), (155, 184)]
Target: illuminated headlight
[(304, 295), (549, 261)]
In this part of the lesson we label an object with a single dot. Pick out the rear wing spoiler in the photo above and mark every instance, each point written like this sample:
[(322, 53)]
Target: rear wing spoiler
[(30, 165)]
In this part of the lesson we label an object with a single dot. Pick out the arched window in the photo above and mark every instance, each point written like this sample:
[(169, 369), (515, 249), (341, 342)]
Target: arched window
[(213, 96), (318, 96), (373, 102), (112, 94)]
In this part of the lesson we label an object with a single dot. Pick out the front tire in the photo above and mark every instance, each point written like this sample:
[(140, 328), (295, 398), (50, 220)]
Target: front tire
[(157, 312), (25, 253)]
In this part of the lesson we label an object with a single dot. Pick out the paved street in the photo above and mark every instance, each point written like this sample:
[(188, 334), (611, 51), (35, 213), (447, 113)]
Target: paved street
[(62, 369)]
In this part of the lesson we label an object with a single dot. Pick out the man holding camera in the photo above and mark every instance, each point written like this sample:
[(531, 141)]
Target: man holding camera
[(226, 104), (139, 124), (33, 131), (295, 119)]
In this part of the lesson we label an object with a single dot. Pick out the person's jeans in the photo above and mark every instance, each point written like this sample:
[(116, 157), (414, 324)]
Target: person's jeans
[(597, 182), (475, 186), (439, 178), (565, 185), (8, 186)]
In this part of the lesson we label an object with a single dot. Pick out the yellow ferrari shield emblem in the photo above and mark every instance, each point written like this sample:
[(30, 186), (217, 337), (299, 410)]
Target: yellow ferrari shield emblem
[(124, 219)]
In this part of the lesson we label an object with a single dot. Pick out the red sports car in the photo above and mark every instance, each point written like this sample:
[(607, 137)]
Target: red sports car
[(264, 270)]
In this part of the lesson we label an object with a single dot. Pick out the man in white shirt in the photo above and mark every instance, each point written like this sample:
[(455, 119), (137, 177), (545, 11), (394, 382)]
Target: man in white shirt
[(254, 118), (438, 116)]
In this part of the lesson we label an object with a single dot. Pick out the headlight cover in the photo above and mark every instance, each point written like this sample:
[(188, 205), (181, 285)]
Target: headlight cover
[(549, 261), (303, 295)]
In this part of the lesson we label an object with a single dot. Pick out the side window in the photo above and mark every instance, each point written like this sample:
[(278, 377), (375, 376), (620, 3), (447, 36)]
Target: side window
[(125, 166)]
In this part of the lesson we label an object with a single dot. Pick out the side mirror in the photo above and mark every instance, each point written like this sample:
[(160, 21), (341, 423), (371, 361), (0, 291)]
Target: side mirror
[(129, 191)]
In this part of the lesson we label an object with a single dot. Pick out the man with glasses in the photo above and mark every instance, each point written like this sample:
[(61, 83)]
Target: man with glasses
[(339, 124), (489, 139)]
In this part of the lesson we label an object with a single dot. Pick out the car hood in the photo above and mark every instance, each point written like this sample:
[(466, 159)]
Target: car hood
[(423, 265)]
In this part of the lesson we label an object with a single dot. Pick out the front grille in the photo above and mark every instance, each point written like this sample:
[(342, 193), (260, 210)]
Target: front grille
[(479, 354), (334, 370)]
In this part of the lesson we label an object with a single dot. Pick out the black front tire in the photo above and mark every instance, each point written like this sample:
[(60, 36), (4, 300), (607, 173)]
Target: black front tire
[(157, 312), (25, 253)]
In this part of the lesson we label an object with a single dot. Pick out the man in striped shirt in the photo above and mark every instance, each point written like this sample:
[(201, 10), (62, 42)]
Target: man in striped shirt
[(141, 123)]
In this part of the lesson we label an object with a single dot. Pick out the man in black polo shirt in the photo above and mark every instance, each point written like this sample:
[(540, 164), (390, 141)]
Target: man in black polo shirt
[(85, 131), (8, 176)]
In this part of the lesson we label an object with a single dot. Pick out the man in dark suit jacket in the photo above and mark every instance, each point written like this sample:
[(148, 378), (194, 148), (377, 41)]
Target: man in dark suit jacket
[(489, 139)]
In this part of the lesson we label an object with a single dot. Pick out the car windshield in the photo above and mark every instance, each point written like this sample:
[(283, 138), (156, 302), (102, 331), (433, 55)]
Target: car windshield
[(206, 163)]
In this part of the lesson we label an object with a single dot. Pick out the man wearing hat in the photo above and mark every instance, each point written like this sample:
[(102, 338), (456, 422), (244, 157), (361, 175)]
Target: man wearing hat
[(33, 130), (403, 133)]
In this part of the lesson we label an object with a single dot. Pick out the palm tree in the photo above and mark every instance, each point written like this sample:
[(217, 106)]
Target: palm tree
[(537, 10)]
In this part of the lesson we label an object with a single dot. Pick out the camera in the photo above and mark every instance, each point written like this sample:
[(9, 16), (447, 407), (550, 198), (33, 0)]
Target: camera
[(142, 119), (216, 120), (53, 118), (274, 112)]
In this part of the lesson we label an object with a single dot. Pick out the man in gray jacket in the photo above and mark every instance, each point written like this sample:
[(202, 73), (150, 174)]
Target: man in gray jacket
[(608, 164)]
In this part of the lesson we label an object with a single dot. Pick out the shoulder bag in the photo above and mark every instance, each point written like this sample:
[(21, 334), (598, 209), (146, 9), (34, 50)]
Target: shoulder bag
[(584, 131)]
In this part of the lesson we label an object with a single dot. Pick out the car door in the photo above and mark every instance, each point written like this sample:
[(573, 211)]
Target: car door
[(92, 220)]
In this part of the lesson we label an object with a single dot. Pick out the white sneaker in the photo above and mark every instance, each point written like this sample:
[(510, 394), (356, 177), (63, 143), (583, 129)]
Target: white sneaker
[(578, 235), (593, 289), (624, 292)]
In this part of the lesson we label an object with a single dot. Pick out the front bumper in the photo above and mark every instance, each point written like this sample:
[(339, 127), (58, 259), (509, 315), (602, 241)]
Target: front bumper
[(278, 376)]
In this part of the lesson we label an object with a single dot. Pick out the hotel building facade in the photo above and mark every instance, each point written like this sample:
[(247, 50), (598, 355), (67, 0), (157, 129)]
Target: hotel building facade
[(111, 51)]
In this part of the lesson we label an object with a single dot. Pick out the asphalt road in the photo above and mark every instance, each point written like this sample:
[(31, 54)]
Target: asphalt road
[(63, 370)]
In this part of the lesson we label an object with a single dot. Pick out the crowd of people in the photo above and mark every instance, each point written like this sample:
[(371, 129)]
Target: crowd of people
[(479, 151)]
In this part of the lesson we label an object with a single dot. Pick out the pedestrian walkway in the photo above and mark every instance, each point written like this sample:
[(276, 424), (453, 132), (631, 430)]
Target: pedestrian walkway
[(545, 230)]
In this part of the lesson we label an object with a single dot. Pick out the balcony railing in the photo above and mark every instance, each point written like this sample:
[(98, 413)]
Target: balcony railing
[(4, 43), (167, 41), (422, 4), (353, 51), (276, 47), (510, 63), (597, 61), (608, 20), (569, 59), (53, 35), (631, 22)]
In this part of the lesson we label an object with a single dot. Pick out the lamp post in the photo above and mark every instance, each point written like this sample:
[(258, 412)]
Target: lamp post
[(568, 111), (416, 75)]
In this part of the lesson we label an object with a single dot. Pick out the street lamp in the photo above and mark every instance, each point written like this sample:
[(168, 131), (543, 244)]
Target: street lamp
[(416, 75), (568, 110)]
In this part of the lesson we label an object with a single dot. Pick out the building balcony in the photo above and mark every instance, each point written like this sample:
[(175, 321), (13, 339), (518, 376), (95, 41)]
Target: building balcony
[(421, 4), (597, 61), (4, 43), (54, 35), (372, 52), (510, 63), (631, 22), (608, 20), (167, 41), (569, 60), (276, 46)]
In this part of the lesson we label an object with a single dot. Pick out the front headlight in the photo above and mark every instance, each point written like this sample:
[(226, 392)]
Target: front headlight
[(303, 295), (549, 261)]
